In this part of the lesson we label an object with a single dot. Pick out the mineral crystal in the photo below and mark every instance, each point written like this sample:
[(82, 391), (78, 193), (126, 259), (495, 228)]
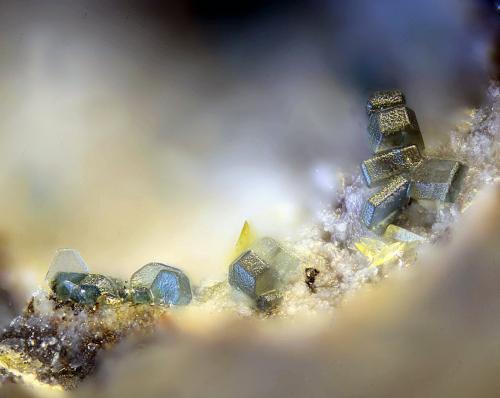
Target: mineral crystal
[(284, 263), (378, 252), (437, 179), (386, 202), (251, 274), (66, 260), (245, 240), (384, 99), (168, 285), (394, 127), (105, 285), (388, 163), (401, 234)]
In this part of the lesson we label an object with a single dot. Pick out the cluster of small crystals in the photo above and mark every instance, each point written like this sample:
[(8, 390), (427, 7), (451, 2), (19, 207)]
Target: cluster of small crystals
[(344, 251), (398, 163), (157, 283)]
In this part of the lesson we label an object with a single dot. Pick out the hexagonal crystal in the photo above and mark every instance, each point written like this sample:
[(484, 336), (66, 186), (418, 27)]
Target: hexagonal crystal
[(168, 285), (388, 163), (394, 127), (384, 99), (66, 260), (437, 179), (387, 202), (251, 274)]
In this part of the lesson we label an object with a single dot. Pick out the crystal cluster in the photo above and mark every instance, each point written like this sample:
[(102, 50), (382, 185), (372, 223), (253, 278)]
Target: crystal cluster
[(157, 283), (398, 163), (260, 272)]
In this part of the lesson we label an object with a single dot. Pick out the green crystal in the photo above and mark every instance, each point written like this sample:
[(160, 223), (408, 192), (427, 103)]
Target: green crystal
[(168, 285), (394, 127), (85, 294), (384, 99), (385, 204), (389, 163), (63, 282), (437, 179)]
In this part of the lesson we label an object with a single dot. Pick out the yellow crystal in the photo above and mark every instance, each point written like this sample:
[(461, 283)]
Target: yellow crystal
[(378, 252), (246, 239)]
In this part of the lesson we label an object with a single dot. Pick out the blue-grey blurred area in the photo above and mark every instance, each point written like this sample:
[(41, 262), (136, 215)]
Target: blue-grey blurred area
[(143, 131)]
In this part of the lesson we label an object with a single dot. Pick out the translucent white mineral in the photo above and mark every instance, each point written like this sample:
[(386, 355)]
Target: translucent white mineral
[(66, 260)]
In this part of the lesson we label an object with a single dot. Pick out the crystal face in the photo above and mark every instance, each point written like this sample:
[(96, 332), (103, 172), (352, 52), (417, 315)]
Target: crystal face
[(384, 203), (266, 266), (397, 143), (379, 253), (388, 163), (168, 285), (251, 274), (66, 260), (401, 234), (105, 285), (437, 179), (384, 99), (394, 127), (246, 238)]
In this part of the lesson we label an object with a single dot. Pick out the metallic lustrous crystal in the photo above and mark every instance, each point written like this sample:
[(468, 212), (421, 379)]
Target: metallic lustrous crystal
[(388, 163), (168, 285), (392, 197), (394, 127), (384, 99), (66, 260), (251, 274), (401, 234), (437, 179)]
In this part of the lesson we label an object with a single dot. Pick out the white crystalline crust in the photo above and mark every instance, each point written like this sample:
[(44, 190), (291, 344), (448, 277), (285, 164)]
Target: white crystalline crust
[(329, 245)]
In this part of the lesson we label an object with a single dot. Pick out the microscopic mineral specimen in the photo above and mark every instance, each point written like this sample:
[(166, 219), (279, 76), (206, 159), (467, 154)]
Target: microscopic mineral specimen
[(437, 179), (384, 99), (265, 267), (58, 342), (252, 275), (168, 285), (382, 205), (388, 163), (394, 127), (66, 260), (394, 232), (397, 143)]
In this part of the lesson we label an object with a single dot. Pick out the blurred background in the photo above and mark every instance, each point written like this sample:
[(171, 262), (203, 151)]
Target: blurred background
[(140, 131)]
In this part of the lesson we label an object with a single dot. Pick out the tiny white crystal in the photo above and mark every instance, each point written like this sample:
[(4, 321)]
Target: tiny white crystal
[(66, 260)]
